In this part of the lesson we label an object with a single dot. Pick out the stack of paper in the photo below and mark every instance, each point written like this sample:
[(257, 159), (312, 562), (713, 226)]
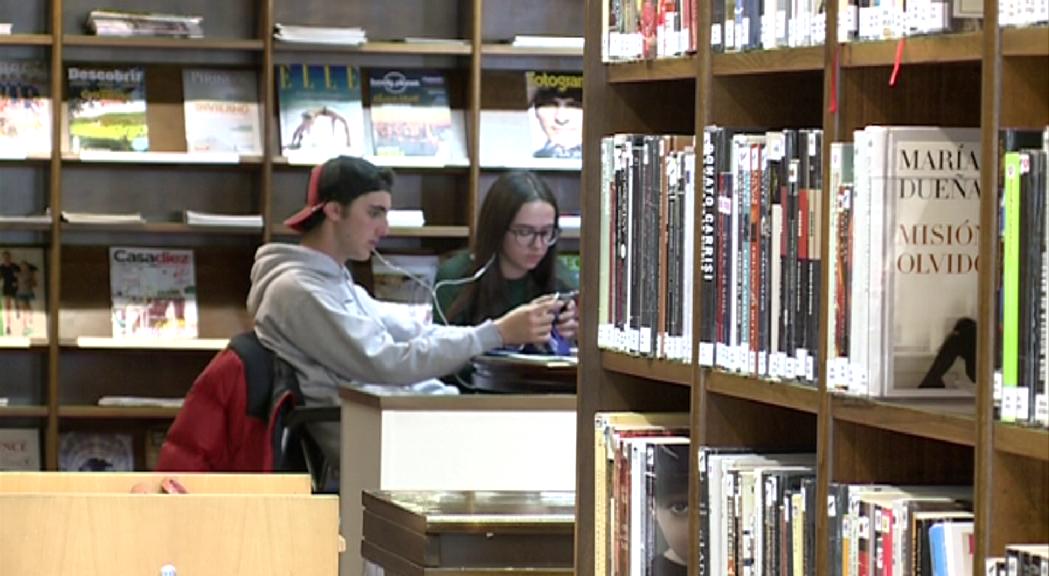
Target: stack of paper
[(547, 42), (346, 36), (194, 218), (102, 218), (406, 218)]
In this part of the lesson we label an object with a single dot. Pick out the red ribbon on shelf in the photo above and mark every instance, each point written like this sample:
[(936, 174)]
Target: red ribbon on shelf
[(833, 106), (896, 63)]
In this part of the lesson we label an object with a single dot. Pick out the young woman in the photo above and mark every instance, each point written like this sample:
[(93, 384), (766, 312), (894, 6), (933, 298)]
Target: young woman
[(517, 246)]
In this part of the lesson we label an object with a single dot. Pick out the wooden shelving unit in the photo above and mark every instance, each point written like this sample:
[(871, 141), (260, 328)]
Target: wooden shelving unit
[(57, 381), (652, 71), (954, 80)]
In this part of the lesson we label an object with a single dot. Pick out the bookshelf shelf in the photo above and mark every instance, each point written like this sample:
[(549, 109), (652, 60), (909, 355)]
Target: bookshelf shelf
[(19, 343), (24, 227), (1033, 41), (403, 232), (173, 228), (956, 424), (392, 48), (401, 164), (783, 394), (652, 71), (117, 412), (136, 159), (507, 50), (26, 40), (916, 50), (661, 370), (13, 412), (1029, 442), (108, 343), (210, 44), (808, 59)]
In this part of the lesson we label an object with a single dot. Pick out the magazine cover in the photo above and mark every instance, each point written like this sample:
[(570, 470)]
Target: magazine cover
[(410, 113), (23, 304), (221, 110), (25, 108), (91, 452), (107, 109), (320, 109), (19, 449), (555, 112), (154, 293)]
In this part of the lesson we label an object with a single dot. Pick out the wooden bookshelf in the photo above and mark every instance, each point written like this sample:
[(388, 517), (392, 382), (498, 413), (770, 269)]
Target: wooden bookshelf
[(783, 394), (519, 52), (652, 71), (209, 44), (81, 362), (20, 412), (807, 59), (960, 79), (1032, 41), (26, 40), (916, 50), (650, 369), (955, 424), (1021, 441), (117, 413), (403, 48)]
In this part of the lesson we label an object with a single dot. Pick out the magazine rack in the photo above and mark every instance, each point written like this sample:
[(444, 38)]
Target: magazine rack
[(224, 524)]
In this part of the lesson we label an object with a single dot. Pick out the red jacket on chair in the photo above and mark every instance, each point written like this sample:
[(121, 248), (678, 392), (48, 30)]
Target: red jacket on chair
[(227, 422)]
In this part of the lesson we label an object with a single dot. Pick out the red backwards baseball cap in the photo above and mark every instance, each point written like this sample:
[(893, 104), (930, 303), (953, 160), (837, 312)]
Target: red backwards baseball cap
[(340, 179)]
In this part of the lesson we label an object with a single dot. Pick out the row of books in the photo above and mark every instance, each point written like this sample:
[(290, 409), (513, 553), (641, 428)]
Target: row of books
[(1022, 350), (79, 451), (903, 243), (1020, 560), (647, 29), (757, 511), (321, 113), (646, 260)]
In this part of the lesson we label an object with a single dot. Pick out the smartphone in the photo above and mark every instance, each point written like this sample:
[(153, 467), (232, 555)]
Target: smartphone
[(566, 296)]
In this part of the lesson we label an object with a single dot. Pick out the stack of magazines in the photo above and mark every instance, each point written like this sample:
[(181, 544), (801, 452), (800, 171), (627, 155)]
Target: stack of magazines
[(195, 218), (345, 36), (119, 23)]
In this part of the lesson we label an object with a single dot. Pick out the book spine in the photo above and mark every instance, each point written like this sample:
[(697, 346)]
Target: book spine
[(1011, 289), (708, 238)]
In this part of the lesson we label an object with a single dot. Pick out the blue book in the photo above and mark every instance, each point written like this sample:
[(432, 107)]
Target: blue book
[(938, 549)]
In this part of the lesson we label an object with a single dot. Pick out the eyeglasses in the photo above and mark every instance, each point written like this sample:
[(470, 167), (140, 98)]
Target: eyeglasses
[(526, 236)]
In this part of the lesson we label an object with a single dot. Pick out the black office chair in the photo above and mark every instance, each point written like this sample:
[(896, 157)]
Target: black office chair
[(295, 449)]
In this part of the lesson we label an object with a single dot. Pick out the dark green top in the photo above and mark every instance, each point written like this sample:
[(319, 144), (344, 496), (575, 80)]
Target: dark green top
[(518, 292)]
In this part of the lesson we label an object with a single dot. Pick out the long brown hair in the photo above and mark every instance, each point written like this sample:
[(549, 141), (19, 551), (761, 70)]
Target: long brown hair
[(486, 298)]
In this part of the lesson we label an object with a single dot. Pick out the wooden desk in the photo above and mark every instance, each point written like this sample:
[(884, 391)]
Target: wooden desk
[(472, 442), (433, 533), (90, 524)]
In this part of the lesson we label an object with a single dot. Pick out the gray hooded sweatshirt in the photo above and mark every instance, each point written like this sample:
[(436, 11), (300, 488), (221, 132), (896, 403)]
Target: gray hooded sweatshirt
[(308, 310)]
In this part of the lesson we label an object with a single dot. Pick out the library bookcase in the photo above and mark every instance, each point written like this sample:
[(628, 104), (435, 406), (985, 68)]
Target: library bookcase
[(993, 79), (53, 384)]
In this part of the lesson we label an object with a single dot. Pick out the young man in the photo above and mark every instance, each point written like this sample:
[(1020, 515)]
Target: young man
[(309, 311)]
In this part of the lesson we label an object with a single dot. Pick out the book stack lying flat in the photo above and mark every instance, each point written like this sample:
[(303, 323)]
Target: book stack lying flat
[(195, 218), (119, 23), (346, 36)]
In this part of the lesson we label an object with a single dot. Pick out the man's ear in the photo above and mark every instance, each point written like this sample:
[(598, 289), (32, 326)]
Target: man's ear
[(333, 210)]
